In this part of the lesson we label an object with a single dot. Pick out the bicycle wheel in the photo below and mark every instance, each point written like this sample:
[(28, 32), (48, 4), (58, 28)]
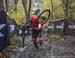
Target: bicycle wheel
[(44, 16)]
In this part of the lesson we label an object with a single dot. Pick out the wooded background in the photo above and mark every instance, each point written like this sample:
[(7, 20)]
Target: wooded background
[(22, 10)]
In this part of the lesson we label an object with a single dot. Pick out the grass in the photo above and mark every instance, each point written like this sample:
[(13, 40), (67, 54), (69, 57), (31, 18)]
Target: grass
[(55, 36)]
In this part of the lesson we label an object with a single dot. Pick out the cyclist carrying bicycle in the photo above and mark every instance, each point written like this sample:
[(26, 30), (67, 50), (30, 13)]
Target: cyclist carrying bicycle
[(36, 30)]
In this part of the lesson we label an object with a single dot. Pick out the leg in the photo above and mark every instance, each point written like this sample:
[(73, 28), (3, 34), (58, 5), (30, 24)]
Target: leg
[(35, 43), (39, 40), (34, 38)]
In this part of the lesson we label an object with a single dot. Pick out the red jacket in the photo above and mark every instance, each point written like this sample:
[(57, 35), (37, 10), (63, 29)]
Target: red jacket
[(35, 21)]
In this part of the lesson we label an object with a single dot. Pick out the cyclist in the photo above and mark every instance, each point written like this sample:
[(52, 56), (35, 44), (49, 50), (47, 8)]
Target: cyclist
[(36, 30)]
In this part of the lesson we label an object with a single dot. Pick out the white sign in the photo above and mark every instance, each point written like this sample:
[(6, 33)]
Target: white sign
[(2, 26), (51, 26), (71, 26), (60, 26), (12, 28)]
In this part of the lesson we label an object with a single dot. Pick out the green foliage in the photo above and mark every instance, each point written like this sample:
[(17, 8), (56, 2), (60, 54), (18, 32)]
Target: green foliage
[(19, 14), (56, 7)]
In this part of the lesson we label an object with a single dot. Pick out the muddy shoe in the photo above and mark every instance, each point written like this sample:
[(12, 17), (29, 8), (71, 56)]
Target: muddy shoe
[(36, 46)]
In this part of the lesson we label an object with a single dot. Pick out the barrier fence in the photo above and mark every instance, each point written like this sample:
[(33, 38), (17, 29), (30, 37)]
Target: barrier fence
[(62, 27)]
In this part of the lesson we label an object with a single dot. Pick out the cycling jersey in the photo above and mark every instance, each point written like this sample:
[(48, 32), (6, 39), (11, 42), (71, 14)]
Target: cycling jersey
[(36, 26), (35, 22)]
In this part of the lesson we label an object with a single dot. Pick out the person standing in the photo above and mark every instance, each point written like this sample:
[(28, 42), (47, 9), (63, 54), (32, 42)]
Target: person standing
[(36, 30)]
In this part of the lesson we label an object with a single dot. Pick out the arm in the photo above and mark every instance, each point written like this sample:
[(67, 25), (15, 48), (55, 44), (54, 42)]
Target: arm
[(39, 26)]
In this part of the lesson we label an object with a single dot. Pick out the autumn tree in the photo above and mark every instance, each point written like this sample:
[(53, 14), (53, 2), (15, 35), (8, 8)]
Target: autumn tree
[(15, 3), (27, 8)]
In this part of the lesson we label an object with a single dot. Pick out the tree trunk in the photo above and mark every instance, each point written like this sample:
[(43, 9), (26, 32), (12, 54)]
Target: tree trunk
[(52, 16), (1, 5), (27, 12), (66, 10), (15, 3), (6, 3), (24, 2), (65, 3)]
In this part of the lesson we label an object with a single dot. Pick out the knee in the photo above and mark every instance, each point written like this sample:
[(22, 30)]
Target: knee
[(34, 40)]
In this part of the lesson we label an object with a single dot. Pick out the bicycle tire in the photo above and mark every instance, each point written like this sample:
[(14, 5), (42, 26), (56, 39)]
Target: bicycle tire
[(44, 21)]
